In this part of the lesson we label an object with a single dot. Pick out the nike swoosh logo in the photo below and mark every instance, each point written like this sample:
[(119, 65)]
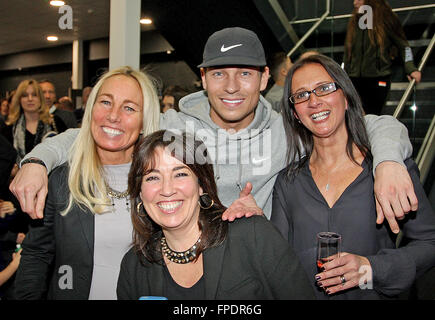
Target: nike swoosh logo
[(223, 49), (258, 161)]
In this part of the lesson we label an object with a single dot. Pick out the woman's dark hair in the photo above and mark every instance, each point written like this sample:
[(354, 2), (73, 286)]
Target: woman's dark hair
[(193, 153), (299, 139)]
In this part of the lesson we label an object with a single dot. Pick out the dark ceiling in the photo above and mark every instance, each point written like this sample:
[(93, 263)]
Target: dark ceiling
[(185, 24), (188, 24)]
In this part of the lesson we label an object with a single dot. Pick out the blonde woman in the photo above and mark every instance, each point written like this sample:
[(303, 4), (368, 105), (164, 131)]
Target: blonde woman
[(29, 120), (87, 226)]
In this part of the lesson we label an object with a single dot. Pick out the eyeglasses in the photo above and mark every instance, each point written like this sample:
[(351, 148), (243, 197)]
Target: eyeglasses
[(320, 91)]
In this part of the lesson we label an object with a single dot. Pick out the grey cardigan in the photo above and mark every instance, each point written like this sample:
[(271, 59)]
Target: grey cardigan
[(254, 262)]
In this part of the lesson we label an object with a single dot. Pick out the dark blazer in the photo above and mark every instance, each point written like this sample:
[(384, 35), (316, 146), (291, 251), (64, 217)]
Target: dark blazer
[(254, 262), (57, 257)]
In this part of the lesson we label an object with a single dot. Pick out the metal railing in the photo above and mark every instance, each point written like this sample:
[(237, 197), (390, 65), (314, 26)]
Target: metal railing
[(312, 29), (343, 16), (408, 90), (325, 16), (426, 153)]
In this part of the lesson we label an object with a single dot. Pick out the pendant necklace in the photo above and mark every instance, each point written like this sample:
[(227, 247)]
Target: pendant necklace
[(327, 185)]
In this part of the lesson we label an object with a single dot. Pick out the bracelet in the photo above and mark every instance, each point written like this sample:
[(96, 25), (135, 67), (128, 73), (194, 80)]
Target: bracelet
[(33, 160)]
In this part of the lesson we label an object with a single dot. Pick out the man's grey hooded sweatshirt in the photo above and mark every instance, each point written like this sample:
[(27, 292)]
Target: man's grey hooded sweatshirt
[(248, 155), (255, 154)]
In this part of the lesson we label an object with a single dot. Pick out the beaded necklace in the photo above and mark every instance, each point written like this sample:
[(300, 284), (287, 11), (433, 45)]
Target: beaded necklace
[(179, 257)]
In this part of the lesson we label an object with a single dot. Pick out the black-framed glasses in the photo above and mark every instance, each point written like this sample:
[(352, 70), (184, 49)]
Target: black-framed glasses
[(320, 91)]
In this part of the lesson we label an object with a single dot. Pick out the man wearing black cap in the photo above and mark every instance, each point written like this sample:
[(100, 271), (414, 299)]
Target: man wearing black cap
[(244, 136)]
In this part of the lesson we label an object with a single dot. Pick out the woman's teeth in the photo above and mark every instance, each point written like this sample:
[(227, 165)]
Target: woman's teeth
[(320, 116), (112, 132), (169, 206)]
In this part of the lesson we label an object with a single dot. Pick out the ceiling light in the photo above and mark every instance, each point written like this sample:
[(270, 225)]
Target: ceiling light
[(52, 38), (146, 21), (57, 3)]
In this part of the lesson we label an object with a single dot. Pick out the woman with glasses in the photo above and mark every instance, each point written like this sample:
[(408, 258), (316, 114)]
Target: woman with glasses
[(328, 186)]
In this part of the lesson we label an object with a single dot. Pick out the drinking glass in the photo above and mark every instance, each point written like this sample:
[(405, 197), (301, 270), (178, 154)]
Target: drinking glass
[(328, 248)]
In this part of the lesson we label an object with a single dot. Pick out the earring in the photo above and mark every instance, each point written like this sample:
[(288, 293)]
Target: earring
[(201, 199), (138, 207)]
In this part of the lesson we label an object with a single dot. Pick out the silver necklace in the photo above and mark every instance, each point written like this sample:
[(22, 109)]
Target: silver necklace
[(113, 194)]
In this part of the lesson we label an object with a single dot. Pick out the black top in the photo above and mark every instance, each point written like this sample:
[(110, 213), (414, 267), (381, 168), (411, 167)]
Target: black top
[(300, 212), (60, 241), (173, 291), (30, 141), (253, 262)]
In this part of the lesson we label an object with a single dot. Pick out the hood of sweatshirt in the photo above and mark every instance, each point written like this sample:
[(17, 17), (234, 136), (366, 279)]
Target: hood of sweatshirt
[(234, 152), (197, 106)]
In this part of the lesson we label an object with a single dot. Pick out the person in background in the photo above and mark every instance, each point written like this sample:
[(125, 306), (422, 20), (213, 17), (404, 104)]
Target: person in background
[(4, 110), (65, 103), (369, 53), (79, 111), (171, 97), (182, 247), (13, 222), (328, 186), (279, 66), (49, 91), (308, 53), (87, 224), (8, 272), (29, 120)]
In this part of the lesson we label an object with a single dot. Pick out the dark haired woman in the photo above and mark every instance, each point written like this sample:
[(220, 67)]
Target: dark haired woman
[(182, 247), (331, 189), (369, 53)]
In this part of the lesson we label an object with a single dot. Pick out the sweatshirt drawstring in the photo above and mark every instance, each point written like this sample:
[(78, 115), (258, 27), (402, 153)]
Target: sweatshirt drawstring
[(239, 159)]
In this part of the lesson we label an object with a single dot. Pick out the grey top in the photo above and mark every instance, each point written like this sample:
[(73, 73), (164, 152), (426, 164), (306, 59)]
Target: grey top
[(300, 212), (113, 237), (254, 154), (274, 96)]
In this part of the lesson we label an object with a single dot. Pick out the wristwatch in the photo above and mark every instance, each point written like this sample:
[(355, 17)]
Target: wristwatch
[(33, 160)]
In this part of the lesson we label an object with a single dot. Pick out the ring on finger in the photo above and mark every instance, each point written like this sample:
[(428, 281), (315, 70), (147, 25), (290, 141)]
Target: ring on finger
[(342, 279)]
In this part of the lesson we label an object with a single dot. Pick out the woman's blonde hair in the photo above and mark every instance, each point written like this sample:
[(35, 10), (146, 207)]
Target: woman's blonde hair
[(86, 178), (16, 110)]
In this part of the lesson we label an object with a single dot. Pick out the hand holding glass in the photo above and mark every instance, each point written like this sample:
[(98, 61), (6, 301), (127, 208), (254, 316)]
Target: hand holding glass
[(328, 248)]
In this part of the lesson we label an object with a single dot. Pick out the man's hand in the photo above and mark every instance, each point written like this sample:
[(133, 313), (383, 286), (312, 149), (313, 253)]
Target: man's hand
[(394, 193), (245, 206), (30, 187)]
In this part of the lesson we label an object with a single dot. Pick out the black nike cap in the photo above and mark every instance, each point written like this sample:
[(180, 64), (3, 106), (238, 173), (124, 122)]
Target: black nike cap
[(233, 46)]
